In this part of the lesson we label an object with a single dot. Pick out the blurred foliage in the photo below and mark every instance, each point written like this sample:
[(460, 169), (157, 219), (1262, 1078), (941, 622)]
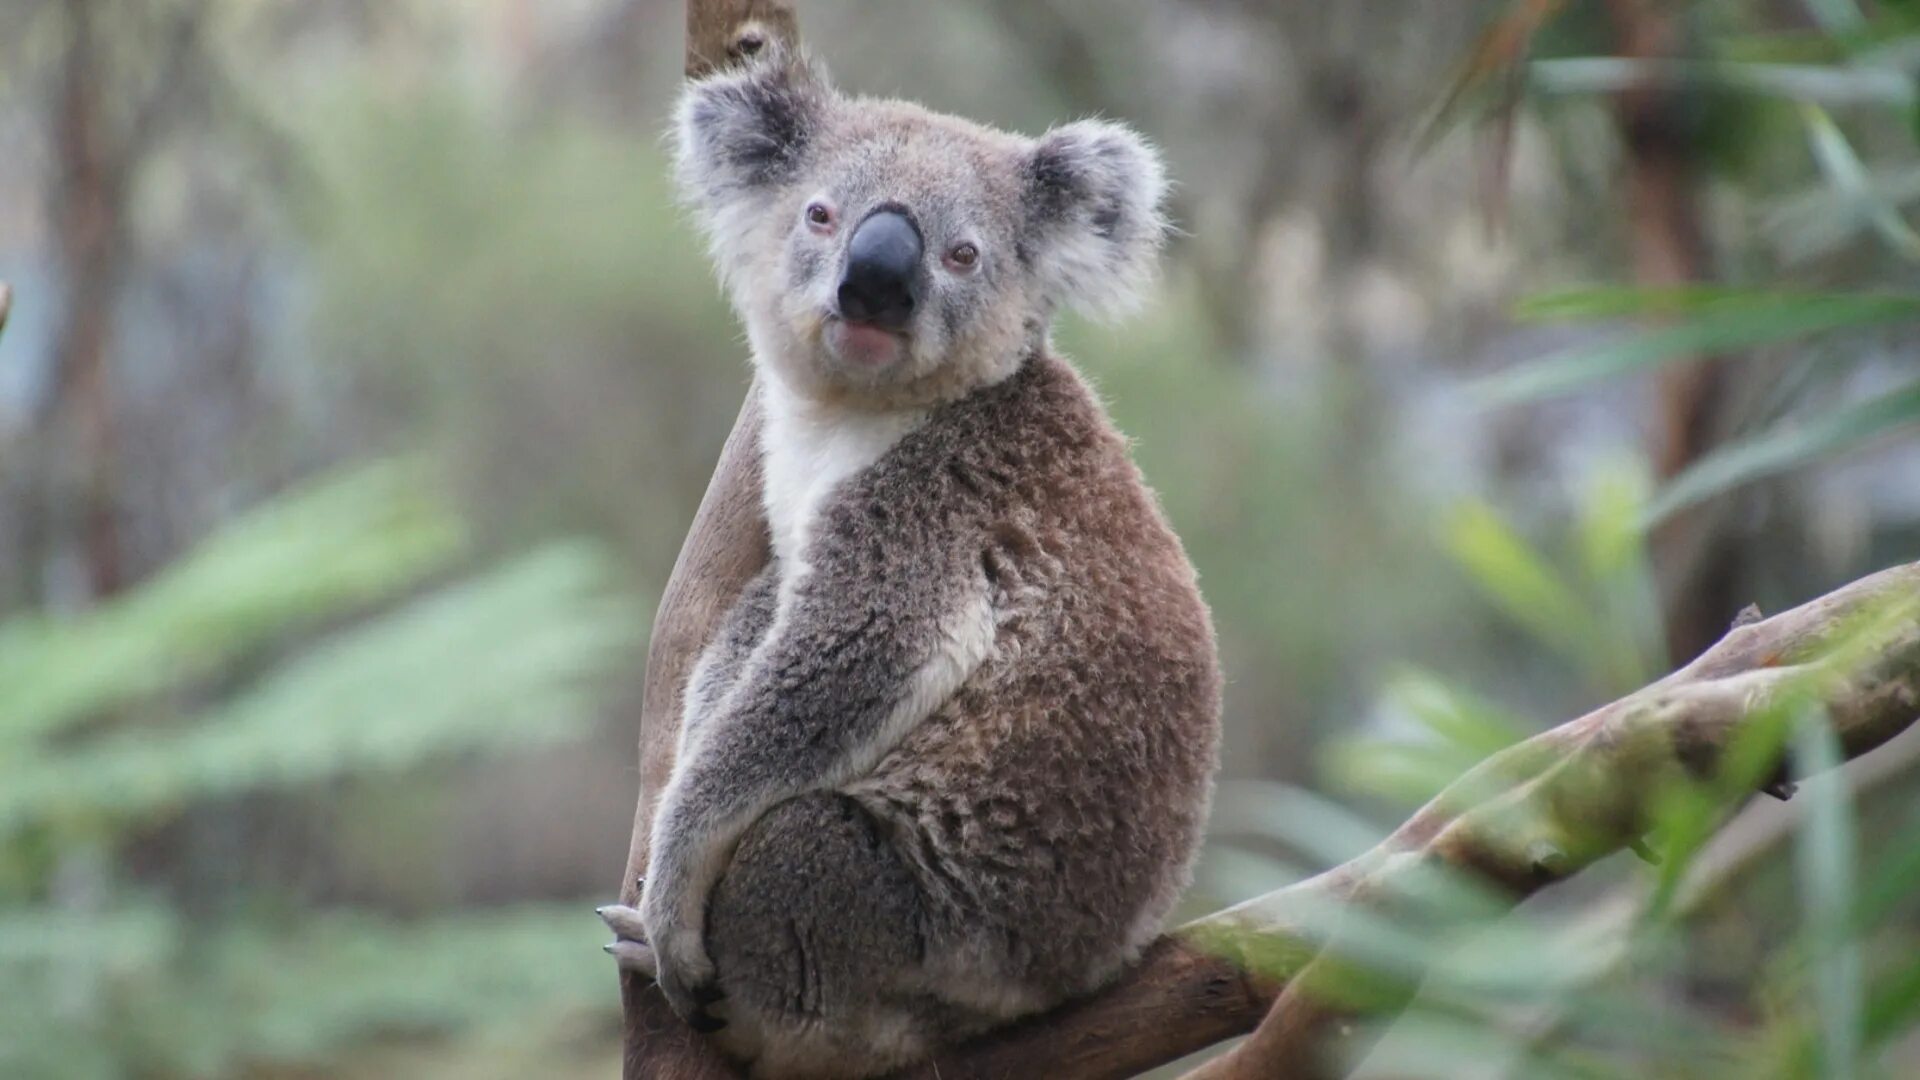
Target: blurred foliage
[(1845, 228), (1701, 965), (183, 693), (1588, 990), (446, 229)]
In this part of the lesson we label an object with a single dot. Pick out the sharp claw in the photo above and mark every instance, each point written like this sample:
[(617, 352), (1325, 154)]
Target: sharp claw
[(1781, 789), (634, 957), (607, 948), (705, 1023), (624, 922)]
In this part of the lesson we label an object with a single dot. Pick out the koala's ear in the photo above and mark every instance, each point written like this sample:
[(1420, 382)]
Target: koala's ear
[(743, 132), (1094, 194)]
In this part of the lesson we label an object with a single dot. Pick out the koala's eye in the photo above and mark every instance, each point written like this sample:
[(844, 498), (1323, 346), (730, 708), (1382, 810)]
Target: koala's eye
[(963, 257), (820, 216)]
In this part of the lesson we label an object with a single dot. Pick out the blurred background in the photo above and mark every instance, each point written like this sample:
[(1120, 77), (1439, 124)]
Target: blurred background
[(362, 379)]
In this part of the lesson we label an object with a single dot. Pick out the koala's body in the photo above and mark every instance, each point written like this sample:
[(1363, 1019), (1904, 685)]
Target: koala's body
[(948, 762)]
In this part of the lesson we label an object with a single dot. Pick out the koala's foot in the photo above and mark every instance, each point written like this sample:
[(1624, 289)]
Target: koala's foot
[(696, 1004), (629, 948), (701, 1005)]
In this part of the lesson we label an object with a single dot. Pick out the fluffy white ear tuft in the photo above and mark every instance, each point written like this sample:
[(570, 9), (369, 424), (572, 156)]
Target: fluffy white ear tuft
[(1094, 195), (740, 134)]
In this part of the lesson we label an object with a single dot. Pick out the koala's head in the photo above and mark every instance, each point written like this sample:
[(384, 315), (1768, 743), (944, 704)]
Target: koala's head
[(881, 252)]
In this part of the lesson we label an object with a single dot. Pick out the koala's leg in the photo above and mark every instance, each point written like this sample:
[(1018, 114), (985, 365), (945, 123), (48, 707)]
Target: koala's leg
[(817, 932)]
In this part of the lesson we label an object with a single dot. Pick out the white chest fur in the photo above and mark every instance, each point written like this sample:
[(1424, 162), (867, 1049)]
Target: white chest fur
[(808, 449)]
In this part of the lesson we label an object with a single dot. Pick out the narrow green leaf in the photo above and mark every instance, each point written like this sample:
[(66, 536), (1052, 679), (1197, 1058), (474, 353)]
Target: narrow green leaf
[(1612, 552), (1830, 84), (1402, 771), (1825, 863), (1788, 447), (1844, 169), (1477, 727), (1622, 301), (1894, 881), (1315, 826), (1714, 331), (1893, 1009), (1521, 584)]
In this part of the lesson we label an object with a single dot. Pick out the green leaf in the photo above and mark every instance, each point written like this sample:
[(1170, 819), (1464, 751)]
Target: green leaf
[(252, 996), (1476, 727), (1829, 84), (1825, 863), (322, 551), (1394, 769), (1313, 825), (1845, 171), (1520, 583), (1894, 880), (505, 659), (1612, 550), (1788, 447), (1893, 1008), (1622, 301), (1718, 325)]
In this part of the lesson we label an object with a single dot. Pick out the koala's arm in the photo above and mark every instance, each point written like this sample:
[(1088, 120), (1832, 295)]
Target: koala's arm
[(719, 667), (852, 662)]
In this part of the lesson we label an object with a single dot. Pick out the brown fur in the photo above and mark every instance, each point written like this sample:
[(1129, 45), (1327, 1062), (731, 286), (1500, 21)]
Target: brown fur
[(949, 760)]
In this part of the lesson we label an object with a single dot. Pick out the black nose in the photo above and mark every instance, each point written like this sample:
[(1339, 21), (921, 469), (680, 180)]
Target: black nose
[(883, 271)]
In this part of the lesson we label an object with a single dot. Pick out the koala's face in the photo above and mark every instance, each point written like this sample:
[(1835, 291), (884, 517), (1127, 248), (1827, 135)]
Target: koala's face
[(881, 252)]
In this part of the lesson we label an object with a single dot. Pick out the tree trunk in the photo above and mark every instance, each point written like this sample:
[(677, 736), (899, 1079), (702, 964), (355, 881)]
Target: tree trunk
[(89, 228), (1694, 554), (726, 546)]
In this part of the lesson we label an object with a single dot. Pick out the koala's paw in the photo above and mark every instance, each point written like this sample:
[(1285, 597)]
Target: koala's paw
[(686, 974), (629, 947), (702, 1005)]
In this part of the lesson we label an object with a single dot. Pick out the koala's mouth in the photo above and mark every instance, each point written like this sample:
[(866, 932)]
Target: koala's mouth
[(863, 345)]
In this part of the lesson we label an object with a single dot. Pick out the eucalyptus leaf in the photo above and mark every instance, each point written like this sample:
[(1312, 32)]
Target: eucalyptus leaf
[(1788, 447), (1714, 329)]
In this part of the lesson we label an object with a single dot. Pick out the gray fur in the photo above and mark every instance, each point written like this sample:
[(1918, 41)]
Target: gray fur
[(948, 762), (719, 667)]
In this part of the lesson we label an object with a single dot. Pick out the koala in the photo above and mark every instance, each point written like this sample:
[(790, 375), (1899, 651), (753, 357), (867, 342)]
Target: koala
[(948, 761)]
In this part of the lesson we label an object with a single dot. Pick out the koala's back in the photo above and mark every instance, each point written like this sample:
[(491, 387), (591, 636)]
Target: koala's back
[(1051, 808)]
